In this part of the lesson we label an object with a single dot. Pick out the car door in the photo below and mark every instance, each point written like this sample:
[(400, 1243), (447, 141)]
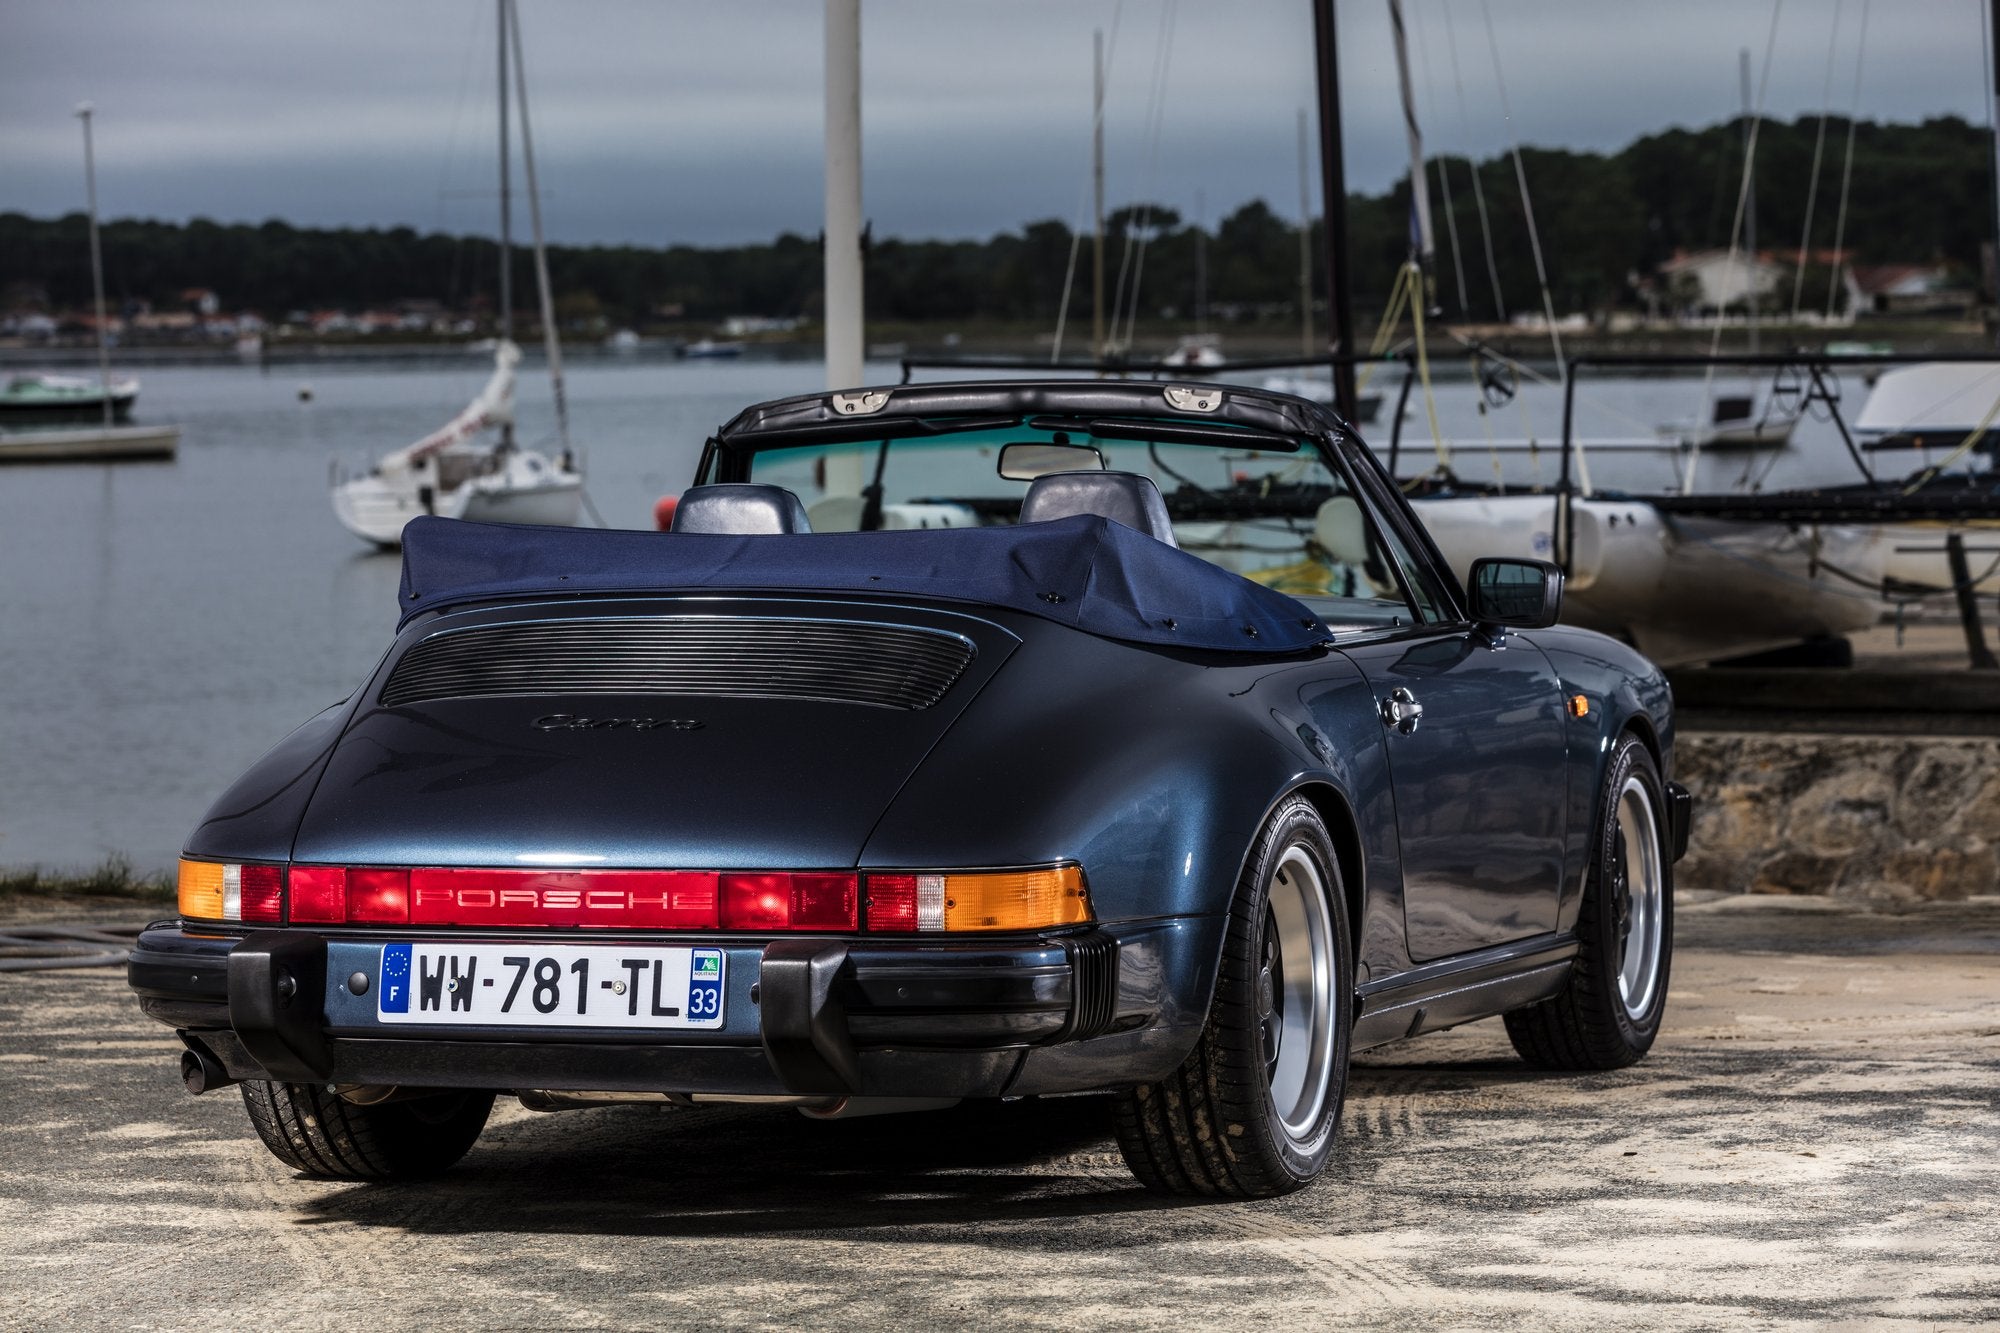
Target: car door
[(1477, 758)]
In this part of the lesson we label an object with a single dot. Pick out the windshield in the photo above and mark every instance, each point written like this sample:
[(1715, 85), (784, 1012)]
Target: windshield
[(1269, 510)]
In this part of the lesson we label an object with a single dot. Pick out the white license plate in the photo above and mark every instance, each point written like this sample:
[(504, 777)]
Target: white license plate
[(550, 985)]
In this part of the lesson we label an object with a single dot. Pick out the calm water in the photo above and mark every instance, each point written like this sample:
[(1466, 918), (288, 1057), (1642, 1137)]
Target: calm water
[(163, 624)]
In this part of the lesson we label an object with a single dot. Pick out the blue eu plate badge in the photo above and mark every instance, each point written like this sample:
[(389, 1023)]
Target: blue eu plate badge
[(395, 997)]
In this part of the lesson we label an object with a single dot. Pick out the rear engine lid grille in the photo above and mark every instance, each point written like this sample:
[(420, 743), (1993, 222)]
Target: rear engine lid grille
[(744, 657)]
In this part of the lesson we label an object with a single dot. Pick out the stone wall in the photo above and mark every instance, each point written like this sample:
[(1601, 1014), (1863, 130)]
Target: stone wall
[(1891, 817)]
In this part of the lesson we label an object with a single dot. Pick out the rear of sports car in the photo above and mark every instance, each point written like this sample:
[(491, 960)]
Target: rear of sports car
[(664, 848)]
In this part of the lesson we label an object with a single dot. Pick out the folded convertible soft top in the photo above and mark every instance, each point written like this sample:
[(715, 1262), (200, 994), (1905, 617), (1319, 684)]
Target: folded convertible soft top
[(1087, 572)]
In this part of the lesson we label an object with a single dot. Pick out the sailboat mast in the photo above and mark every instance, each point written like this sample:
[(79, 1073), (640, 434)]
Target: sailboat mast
[(1750, 201), (84, 113), (551, 340), (506, 192), (1201, 261), (1993, 63), (1333, 190), (1306, 242), (1097, 187), (1420, 194)]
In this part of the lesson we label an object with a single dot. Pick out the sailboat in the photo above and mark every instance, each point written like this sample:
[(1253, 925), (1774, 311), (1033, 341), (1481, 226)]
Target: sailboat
[(451, 472), (74, 402), (1681, 584)]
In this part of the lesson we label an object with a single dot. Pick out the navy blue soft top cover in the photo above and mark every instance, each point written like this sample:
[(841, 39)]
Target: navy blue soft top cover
[(1088, 572)]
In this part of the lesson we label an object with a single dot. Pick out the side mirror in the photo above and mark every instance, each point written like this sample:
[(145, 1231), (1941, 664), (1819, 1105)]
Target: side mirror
[(1026, 460), (1526, 594)]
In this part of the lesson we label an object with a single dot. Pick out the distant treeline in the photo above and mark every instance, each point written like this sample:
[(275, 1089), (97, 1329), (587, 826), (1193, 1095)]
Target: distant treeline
[(1919, 193)]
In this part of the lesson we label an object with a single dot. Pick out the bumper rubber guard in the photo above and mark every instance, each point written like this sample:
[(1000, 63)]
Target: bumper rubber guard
[(804, 1022), (277, 984)]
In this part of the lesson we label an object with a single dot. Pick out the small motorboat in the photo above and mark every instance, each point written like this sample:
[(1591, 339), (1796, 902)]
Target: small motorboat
[(64, 400), (1367, 406), (708, 349), (1736, 422), (1196, 351)]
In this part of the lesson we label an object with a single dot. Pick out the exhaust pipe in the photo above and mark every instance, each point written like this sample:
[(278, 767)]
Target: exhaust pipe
[(200, 1070), (852, 1108), (817, 1108)]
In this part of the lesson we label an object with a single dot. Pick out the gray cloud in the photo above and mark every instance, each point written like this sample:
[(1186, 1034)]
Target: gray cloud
[(679, 121)]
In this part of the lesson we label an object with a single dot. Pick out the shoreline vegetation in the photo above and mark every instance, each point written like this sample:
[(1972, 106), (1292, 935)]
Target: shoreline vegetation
[(1608, 222), (113, 877)]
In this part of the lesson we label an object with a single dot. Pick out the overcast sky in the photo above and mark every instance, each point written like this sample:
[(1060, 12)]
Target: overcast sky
[(659, 121)]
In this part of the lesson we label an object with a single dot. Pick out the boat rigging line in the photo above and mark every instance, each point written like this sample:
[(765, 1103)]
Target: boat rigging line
[(1527, 199), (1478, 190), (551, 341), (1139, 220), (1743, 189), (1847, 170), (1101, 55), (1444, 176), (1819, 148), (1414, 279)]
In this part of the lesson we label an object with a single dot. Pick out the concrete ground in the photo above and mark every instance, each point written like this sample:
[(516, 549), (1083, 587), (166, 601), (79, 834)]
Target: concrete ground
[(1815, 1141)]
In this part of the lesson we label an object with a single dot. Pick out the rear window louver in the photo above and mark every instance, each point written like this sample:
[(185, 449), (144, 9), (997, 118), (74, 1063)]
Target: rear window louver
[(831, 661)]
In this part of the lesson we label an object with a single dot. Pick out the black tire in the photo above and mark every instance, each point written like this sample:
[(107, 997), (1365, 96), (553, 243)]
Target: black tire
[(1591, 1024), (314, 1130), (1213, 1127)]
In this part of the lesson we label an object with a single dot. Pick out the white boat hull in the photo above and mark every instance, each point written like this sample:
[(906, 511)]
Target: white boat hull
[(89, 444), (527, 488), (1680, 589), (1916, 554)]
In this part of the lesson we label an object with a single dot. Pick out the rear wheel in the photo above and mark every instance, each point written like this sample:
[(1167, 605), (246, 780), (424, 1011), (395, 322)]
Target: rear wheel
[(1251, 1112), (1609, 1013), (314, 1130)]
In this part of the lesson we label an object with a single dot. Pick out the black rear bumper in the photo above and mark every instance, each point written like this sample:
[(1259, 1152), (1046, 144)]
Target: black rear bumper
[(832, 1017)]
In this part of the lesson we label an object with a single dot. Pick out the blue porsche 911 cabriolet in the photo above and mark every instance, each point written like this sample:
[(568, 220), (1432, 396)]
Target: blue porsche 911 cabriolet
[(981, 740)]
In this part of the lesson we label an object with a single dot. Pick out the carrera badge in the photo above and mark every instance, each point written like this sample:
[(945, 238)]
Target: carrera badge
[(576, 722)]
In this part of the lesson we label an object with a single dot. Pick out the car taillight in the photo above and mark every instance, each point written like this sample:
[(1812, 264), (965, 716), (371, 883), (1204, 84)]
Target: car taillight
[(978, 900), (898, 902), (336, 895), (784, 901), (228, 891)]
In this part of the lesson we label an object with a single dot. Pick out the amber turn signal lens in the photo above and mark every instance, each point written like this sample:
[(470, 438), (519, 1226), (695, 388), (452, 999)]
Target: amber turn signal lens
[(201, 890), (1016, 899), (1579, 705)]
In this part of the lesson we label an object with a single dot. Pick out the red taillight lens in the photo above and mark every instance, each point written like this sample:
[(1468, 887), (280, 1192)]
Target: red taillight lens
[(262, 890), (378, 897), (892, 902), (825, 902), (621, 899), (319, 893), (789, 902)]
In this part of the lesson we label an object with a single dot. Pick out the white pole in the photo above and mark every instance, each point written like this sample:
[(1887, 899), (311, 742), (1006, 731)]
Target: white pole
[(843, 194), (84, 111)]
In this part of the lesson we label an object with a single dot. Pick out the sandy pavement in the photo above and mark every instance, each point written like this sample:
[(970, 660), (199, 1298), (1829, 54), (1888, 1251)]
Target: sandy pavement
[(1815, 1141)]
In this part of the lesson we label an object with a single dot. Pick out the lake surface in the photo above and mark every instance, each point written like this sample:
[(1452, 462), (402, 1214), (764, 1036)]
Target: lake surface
[(161, 625)]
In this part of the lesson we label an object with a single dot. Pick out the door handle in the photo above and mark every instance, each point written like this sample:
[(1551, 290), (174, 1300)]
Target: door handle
[(1402, 711)]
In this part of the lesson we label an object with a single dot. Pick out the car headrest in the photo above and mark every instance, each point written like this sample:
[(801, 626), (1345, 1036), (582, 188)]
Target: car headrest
[(1123, 497), (1339, 527), (740, 509)]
